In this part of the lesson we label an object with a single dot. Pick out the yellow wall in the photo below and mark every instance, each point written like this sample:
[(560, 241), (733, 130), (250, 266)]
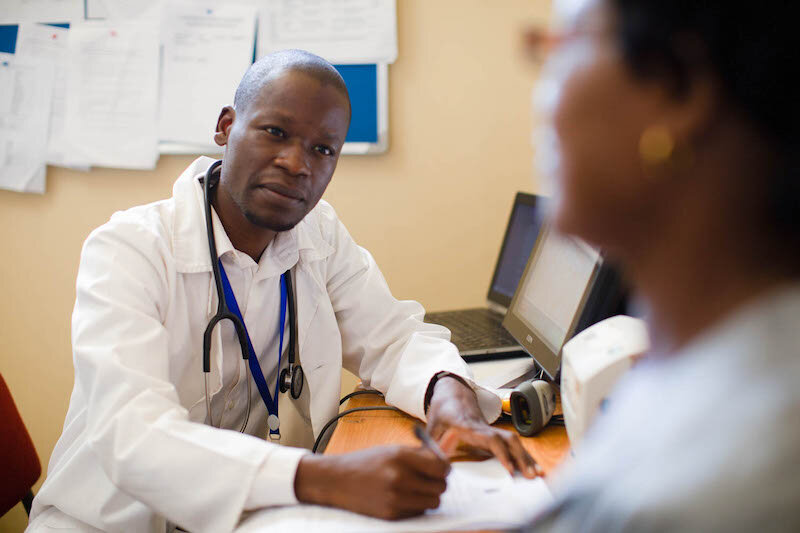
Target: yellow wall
[(431, 210)]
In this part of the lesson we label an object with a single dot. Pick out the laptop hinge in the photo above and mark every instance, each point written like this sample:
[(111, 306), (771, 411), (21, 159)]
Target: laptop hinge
[(497, 308)]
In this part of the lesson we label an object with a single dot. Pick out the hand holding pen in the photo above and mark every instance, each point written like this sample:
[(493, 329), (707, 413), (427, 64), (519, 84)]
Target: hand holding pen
[(429, 443)]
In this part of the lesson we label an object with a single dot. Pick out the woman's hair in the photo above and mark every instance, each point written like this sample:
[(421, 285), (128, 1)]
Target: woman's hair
[(752, 48)]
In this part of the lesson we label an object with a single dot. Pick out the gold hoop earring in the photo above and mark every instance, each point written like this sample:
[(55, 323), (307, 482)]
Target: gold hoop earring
[(656, 146)]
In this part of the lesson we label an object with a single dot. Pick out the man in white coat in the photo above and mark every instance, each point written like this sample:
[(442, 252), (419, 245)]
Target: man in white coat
[(137, 452)]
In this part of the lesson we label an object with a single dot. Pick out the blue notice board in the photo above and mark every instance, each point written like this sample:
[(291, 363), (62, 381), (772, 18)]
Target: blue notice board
[(8, 38), (368, 88), (362, 84)]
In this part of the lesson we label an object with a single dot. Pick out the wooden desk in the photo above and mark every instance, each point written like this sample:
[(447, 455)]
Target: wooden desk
[(365, 429)]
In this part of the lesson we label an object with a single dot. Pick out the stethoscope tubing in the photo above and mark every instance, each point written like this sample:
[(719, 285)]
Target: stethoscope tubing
[(224, 313)]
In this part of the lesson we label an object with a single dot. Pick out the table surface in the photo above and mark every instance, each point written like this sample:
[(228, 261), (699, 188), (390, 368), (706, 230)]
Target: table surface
[(365, 429)]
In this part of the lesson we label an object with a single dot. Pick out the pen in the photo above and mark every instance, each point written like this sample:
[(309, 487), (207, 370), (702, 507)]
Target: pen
[(428, 442)]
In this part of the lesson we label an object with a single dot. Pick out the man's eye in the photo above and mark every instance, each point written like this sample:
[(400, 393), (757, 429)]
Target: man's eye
[(277, 132), (324, 150)]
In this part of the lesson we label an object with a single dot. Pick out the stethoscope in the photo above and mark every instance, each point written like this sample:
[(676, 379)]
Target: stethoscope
[(290, 378)]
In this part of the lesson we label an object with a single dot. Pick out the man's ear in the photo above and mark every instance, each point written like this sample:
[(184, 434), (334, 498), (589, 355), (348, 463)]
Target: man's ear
[(224, 123)]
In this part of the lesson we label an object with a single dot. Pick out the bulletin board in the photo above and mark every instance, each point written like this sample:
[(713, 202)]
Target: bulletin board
[(368, 85), (116, 83)]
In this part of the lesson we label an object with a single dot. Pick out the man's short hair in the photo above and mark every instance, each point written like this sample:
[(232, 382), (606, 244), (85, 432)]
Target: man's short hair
[(276, 63)]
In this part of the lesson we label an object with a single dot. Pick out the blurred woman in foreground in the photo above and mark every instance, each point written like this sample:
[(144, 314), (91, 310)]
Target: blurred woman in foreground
[(676, 124)]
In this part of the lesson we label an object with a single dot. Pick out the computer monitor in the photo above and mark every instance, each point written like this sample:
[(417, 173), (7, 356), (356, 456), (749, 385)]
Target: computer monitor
[(551, 296), (522, 230)]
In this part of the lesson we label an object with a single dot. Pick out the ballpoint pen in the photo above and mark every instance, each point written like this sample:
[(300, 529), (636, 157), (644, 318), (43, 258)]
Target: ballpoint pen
[(428, 442)]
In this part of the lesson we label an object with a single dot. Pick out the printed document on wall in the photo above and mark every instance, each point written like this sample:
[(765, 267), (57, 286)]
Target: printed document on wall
[(25, 96), (40, 43), (16, 11), (207, 50), (341, 31), (123, 10), (112, 94)]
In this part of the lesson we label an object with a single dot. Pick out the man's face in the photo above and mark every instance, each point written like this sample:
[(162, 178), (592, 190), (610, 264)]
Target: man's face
[(282, 148)]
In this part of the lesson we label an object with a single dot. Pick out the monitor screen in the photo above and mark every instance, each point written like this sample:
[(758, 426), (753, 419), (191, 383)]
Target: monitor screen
[(521, 233), (551, 295)]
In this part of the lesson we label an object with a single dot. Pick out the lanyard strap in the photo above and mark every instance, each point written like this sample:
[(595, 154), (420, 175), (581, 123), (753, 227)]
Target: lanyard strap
[(255, 368)]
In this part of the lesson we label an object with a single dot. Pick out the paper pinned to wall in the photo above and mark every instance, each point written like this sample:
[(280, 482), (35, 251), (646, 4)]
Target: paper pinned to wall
[(123, 10), (112, 94), (341, 31), (206, 52), (7, 76), (16, 11), (23, 127), (478, 496), (40, 43)]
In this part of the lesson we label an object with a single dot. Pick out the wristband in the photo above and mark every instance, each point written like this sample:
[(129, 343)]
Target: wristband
[(436, 377)]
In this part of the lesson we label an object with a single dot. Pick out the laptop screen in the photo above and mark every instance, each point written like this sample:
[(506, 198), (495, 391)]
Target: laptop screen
[(551, 295), (521, 233)]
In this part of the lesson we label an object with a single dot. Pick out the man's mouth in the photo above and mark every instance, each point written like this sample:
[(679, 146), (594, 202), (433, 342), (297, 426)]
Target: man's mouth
[(282, 190)]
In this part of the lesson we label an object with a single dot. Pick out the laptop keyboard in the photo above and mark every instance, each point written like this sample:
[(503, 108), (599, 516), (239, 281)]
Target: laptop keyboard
[(473, 329)]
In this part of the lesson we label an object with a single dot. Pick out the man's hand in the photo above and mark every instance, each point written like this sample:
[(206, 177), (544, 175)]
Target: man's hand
[(387, 482), (455, 419)]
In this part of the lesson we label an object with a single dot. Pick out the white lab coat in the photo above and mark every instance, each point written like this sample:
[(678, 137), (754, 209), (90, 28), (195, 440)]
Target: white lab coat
[(135, 453)]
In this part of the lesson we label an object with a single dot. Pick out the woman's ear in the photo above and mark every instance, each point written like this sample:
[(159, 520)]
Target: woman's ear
[(224, 123), (696, 111)]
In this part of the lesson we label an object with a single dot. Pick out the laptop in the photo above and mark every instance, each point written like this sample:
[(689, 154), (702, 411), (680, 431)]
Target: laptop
[(566, 287), (478, 333)]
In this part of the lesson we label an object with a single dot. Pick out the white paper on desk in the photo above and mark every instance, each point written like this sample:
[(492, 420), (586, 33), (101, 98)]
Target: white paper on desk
[(341, 31), (478, 495), (40, 43), (207, 50), (112, 94), (24, 124), (16, 11)]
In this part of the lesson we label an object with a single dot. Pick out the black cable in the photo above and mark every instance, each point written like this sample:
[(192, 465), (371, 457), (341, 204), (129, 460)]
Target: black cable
[(359, 393), (344, 413)]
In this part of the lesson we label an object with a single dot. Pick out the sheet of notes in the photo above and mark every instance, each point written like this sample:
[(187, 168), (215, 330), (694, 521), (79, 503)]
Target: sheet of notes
[(479, 495), (206, 52), (112, 94), (40, 43), (341, 31), (25, 99)]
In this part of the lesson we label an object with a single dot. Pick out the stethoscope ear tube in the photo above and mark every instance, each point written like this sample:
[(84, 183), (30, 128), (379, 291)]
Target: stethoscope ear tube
[(292, 378), (223, 313)]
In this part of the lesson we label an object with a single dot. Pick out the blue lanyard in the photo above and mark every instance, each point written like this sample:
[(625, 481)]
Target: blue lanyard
[(255, 368)]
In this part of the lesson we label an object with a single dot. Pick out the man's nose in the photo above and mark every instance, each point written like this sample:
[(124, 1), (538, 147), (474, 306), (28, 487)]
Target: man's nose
[(294, 159)]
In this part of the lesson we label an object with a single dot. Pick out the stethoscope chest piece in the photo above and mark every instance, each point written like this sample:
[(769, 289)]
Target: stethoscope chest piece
[(292, 379)]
